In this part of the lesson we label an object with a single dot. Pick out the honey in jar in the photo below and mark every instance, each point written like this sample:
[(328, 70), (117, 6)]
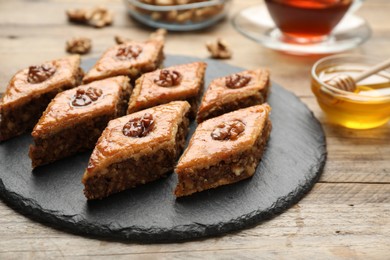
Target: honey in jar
[(367, 107)]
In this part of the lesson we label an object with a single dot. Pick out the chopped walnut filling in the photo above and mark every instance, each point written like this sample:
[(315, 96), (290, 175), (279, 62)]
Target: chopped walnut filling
[(85, 97), (168, 78), (228, 131), (39, 74), (237, 81), (128, 52), (97, 16), (139, 127), (80, 45), (219, 49)]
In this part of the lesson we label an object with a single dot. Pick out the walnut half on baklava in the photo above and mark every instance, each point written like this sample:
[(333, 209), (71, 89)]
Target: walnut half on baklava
[(136, 149), (31, 90), (75, 119), (224, 150), (239, 90), (179, 82), (128, 59)]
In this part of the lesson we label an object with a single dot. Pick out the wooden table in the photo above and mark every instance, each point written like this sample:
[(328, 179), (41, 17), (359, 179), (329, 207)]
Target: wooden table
[(346, 215)]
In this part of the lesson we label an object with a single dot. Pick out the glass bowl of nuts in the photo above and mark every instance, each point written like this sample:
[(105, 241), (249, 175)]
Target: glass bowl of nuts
[(178, 15)]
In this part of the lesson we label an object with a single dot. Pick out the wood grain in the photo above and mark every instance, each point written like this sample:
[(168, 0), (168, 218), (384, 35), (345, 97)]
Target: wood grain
[(345, 216), (333, 220)]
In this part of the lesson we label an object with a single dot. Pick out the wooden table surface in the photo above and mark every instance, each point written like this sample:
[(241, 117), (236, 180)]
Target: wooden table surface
[(345, 216)]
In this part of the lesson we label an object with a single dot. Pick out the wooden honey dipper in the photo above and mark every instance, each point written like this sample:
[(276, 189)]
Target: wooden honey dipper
[(348, 83)]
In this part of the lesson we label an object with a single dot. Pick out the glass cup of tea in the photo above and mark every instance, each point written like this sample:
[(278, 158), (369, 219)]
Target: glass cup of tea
[(308, 21)]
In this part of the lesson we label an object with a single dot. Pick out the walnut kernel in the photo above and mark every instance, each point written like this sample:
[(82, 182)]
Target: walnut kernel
[(183, 15), (168, 78), (97, 16), (128, 52), (164, 2), (204, 13), (120, 39), (80, 45), (39, 74), (171, 16), (159, 34), (219, 49), (228, 131), (77, 15), (156, 16), (100, 17), (237, 81), (85, 97), (139, 127)]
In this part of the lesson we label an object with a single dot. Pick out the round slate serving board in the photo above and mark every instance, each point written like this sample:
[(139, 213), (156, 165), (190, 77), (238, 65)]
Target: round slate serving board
[(292, 163)]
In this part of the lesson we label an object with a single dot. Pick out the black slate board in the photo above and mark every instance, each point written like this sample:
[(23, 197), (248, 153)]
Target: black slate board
[(53, 194)]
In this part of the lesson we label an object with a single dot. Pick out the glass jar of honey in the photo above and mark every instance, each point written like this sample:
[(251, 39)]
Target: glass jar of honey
[(367, 107)]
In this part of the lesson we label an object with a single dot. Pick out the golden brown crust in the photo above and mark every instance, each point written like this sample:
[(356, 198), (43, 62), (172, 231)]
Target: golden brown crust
[(113, 146), (23, 103), (81, 136), (73, 121), (148, 94), (220, 99), (204, 151), (109, 65), (137, 171), (19, 90), (60, 113), (237, 167)]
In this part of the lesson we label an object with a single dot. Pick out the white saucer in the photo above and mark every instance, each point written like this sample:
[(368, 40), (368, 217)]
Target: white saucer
[(256, 24)]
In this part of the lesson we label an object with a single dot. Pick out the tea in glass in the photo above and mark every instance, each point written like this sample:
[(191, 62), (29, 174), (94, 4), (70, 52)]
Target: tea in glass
[(307, 20)]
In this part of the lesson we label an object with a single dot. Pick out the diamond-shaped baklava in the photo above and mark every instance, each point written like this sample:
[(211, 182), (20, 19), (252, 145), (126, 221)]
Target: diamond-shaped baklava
[(129, 59), (180, 82), (226, 94), (224, 150), (136, 149), (30, 91), (75, 119)]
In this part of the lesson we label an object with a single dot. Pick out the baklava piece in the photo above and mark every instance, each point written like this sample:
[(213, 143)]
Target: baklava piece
[(224, 150), (30, 91), (128, 59), (240, 90), (75, 119), (181, 82), (136, 149)]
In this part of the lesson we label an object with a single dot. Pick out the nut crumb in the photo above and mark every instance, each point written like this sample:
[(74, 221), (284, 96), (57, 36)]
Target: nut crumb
[(237, 170), (120, 40), (79, 45), (159, 34), (77, 15), (97, 17), (219, 49)]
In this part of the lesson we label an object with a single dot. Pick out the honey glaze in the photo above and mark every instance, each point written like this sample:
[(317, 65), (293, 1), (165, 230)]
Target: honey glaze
[(367, 107)]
